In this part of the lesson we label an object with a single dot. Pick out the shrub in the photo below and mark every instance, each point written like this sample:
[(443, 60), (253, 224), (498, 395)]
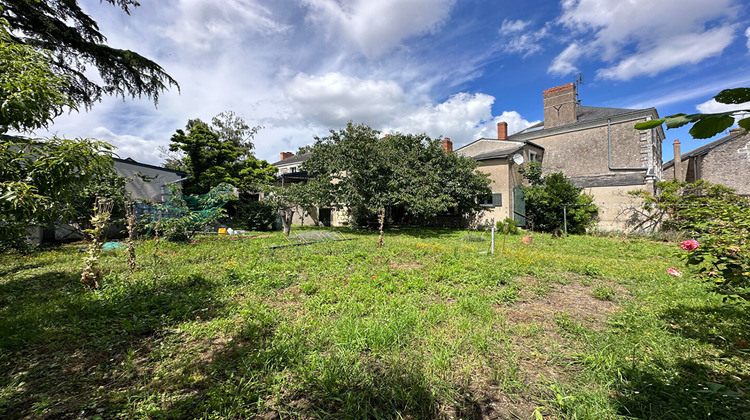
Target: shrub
[(512, 226), (551, 196), (256, 214), (719, 220)]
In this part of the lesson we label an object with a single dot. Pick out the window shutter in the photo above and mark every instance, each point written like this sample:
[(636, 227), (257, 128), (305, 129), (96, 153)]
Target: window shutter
[(497, 200)]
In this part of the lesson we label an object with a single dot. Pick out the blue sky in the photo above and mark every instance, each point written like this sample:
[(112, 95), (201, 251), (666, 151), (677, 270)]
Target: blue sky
[(451, 68)]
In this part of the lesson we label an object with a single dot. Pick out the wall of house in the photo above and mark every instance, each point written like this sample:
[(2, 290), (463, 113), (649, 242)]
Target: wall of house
[(616, 206), (586, 152), (729, 165), (140, 189), (499, 173)]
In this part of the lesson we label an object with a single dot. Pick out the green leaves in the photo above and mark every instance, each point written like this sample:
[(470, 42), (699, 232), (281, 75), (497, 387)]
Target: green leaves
[(733, 96), (73, 37), (709, 125), (706, 125)]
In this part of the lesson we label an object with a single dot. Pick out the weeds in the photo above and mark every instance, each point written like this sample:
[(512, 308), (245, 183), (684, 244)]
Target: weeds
[(424, 327)]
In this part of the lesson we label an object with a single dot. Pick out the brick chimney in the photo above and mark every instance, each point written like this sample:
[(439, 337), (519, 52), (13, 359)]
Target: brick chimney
[(447, 145), (286, 155), (502, 130), (677, 161), (560, 105)]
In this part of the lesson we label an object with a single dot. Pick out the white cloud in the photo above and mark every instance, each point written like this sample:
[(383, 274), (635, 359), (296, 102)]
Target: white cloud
[(516, 41), (686, 49), (515, 122), (712, 107), (202, 25), (333, 98), (510, 26), (565, 62), (639, 40), (377, 27)]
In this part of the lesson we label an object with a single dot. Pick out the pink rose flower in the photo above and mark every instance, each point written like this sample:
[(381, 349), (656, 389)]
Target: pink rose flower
[(689, 245), (674, 272)]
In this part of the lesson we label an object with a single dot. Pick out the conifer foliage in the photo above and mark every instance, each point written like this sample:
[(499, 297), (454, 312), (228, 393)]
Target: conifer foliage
[(74, 40)]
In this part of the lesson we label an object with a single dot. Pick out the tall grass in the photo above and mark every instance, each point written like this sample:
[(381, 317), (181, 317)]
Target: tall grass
[(425, 327)]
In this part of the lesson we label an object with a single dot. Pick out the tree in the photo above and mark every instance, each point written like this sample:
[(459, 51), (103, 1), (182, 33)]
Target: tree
[(369, 174), (552, 197), (708, 125), (74, 39), (43, 182), (32, 95), (218, 153), (40, 182)]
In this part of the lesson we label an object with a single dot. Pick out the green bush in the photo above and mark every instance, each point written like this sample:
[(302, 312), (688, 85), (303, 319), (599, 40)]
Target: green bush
[(718, 219), (551, 196), (512, 226), (256, 214)]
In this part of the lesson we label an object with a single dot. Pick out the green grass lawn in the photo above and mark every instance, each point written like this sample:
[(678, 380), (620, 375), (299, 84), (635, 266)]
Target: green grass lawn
[(425, 327)]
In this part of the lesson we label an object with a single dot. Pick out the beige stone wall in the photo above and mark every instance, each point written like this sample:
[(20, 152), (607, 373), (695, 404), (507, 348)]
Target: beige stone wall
[(586, 152), (504, 176), (615, 206), (729, 164)]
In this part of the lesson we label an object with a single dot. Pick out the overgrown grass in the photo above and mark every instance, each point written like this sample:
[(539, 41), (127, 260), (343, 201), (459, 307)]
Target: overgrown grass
[(426, 327)]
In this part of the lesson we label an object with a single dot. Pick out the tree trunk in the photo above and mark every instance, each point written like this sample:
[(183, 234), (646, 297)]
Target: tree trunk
[(286, 220), (381, 221)]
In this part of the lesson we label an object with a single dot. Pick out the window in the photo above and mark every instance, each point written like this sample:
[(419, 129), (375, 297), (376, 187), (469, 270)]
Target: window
[(491, 200), (533, 156), (293, 169)]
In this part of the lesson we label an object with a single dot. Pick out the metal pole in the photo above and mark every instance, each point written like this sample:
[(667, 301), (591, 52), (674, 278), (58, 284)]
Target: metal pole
[(492, 243), (565, 219)]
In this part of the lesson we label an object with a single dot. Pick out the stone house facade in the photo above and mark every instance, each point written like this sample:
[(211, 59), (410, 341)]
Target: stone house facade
[(501, 159), (289, 172), (598, 149), (725, 161)]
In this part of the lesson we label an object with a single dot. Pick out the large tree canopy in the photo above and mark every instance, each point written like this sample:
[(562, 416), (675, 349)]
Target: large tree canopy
[(74, 39), (216, 153), (367, 173)]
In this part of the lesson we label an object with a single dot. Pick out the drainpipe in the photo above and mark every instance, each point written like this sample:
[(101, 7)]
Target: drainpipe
[(609, 149)]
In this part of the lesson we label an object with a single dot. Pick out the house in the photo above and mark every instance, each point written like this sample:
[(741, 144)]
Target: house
[(147, 182), (598, 149), (501, 159), (290, 172), (725, 161)]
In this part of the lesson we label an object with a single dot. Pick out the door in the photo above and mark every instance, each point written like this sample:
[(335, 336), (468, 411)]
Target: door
[(519, 206), (324, 217)]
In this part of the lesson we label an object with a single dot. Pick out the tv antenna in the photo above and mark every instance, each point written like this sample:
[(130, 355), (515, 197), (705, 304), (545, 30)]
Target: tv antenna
[(578, 82)]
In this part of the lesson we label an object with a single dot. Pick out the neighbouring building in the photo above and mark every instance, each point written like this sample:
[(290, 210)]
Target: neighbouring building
[(147, 182), (501, 159), (725, 161), (290, 172), (598, 149)]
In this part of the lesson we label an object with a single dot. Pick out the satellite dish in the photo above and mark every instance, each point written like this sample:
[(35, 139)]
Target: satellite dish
[(518, 158)]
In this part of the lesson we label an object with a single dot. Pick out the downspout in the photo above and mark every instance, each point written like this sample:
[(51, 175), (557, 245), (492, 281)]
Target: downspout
[(609, 150)]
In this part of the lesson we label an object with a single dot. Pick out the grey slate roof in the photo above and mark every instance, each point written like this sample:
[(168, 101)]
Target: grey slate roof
[(585, 114), (497, 154), (703, 150), (294, 159)]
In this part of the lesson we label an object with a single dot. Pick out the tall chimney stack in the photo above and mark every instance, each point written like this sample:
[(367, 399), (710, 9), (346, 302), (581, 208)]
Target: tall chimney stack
[(502, 130), (677, 161), (447, 145), (286, 155), (560, 105)]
